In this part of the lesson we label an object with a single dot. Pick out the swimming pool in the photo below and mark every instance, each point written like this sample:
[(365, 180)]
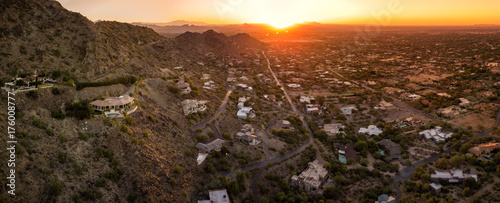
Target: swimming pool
[(342, 159)]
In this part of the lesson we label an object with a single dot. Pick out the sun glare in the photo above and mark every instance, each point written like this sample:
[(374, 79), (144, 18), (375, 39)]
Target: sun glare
[(281, 25)]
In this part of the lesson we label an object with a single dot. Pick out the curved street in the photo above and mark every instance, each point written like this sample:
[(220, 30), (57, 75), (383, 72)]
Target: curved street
[(221, 108)]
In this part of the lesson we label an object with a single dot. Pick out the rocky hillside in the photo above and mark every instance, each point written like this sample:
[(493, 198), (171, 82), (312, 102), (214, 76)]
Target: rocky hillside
[(148, 157), (42, 36)]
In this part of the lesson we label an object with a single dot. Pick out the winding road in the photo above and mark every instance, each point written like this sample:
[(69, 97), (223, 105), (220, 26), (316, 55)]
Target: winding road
[(221, 108)]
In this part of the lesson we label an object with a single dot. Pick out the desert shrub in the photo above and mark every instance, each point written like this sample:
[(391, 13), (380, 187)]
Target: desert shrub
[(55, 189), (56, 91), (33, 94), (100, 182), (81, 110), (57, 114), (178, 169)]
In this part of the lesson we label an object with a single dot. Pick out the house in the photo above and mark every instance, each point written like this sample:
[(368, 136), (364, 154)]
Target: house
[(383, 105), (243, 99), (190, 106), (294, 85), (217, 196), (435, 134), (245, 112), (410, 121), (451, 111), (312, 179), (347, 110), (313, 108), (178, 68), (443, 94), (347, 151), (492, 64), (436, 187), (305, 99), (464, 102), (394, 149), (391, 90), (209, 85), (185, 87), (247, 135), (271, 97), (205, 77), (244, 87), (410, 97), (385, 199), (484, 148), (214, 145), (333, 129), (452, 176), (282, 124), (371, 130), (113, 103)]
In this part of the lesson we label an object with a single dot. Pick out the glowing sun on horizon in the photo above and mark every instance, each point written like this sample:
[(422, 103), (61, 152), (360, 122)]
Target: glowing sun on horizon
[(282, 15)]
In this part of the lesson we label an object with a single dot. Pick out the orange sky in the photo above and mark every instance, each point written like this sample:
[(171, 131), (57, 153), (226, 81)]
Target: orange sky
[(284, 13)]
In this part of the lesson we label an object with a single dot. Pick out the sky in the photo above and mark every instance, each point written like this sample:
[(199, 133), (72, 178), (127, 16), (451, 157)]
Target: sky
[(282, 13)]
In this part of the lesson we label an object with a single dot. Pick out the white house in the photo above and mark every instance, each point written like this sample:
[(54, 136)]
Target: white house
[(245, 112)]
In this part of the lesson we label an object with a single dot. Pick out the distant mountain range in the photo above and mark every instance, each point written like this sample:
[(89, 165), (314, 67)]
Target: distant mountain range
[(173, 23)]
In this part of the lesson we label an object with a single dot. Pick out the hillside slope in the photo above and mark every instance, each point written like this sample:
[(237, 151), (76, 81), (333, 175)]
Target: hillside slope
[(100, 159)]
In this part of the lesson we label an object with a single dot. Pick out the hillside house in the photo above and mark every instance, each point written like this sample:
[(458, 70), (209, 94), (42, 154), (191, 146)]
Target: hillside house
[(113, 103), (183, 86), (282, 124), (214, 145), (190, 106), (245, 112), (247, 135), (312, 179)]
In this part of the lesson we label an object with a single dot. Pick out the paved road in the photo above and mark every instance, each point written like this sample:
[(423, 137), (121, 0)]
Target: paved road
[(221, 108), (280, 85), (215, 130)]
